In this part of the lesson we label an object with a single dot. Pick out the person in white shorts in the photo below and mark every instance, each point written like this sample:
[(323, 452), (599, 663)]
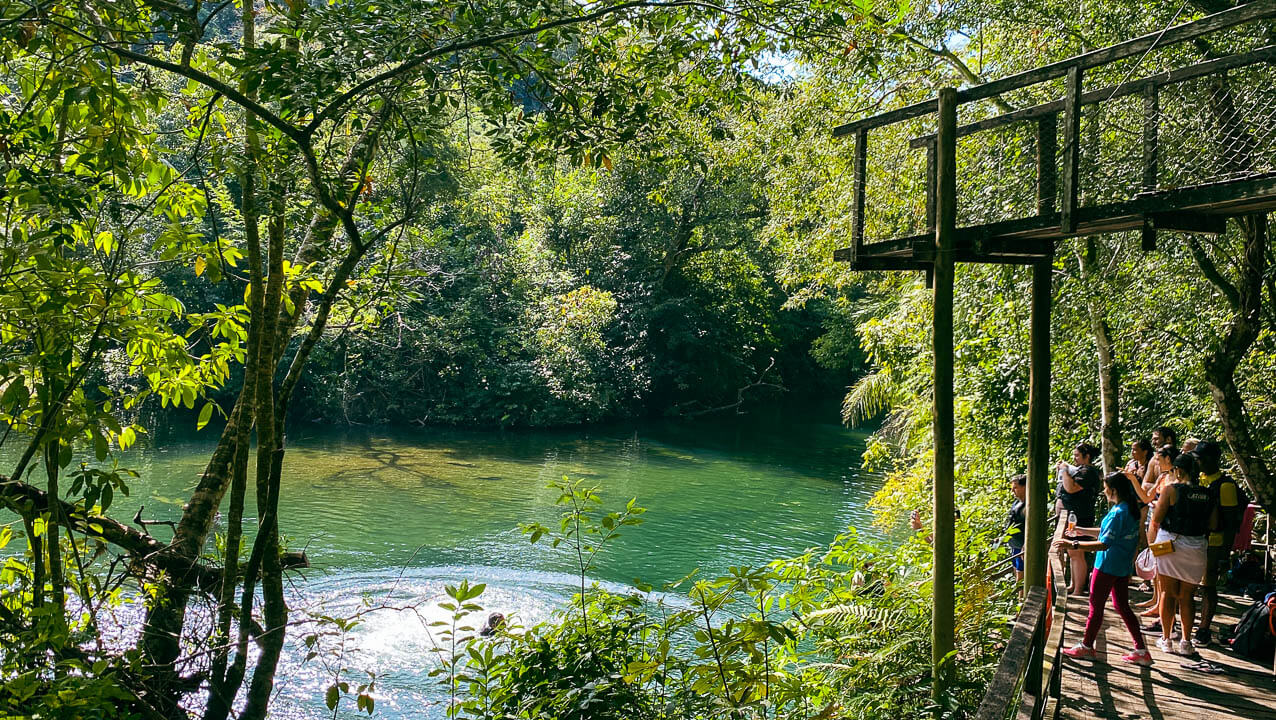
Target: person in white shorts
[(1183, 517)]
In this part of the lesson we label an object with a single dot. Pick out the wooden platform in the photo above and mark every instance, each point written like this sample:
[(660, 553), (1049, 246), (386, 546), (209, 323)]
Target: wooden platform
[(1199, 209), (1112, 689)]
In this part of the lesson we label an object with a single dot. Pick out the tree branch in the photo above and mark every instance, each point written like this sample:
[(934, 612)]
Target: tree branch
[(24, 498), (1211, 273)]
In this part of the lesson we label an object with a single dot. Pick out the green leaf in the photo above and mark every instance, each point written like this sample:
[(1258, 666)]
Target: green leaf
[(205, 415)]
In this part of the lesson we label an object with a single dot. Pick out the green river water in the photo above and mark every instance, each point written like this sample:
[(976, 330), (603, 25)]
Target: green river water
[(394, 515)]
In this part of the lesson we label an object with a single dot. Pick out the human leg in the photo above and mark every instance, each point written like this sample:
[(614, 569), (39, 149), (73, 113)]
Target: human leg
[(1187, 608), (1169, 600), (1100, 587), (1218, 559), (1121, 603), (1080, 571)]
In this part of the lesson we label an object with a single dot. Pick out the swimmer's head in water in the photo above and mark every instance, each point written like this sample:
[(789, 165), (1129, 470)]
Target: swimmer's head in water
[(494, 622)]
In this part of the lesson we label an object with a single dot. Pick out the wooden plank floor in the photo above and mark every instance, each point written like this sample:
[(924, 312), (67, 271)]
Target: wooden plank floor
[(1112, 689)]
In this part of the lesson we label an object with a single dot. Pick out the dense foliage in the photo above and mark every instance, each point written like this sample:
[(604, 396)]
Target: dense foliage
[(543, 213)]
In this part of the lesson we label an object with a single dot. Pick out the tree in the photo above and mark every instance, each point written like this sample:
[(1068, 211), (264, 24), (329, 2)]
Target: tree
[(329, 114)]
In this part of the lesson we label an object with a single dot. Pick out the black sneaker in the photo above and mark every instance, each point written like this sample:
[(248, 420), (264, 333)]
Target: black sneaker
[(1155, 627), (1203, 637)]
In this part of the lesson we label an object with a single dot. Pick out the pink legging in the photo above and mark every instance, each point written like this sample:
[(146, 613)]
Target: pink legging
[(1102, 585)]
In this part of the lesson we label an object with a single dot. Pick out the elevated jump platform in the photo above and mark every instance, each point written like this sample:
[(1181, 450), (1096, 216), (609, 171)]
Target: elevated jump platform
[(1180, 149)]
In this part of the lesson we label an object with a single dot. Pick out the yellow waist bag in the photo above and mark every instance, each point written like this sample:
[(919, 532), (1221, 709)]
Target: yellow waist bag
[(1165, 547)]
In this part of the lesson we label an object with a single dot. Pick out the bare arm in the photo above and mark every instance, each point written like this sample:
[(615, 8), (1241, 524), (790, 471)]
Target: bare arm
[(1141, 488), (1088, 546), (1070, 484), (1168, 498), (1149, 475)]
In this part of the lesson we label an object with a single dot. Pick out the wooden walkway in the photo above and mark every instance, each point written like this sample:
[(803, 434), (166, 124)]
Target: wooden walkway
[(1111, 689)]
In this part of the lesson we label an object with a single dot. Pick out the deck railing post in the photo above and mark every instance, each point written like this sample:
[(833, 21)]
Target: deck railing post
[(861, 192), (942, 629), (1071, 150)]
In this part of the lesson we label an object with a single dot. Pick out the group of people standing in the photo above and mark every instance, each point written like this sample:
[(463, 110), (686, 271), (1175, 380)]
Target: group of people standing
[(1180, 508)]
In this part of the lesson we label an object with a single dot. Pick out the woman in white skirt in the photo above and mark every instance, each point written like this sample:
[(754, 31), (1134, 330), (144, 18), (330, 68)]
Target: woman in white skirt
[(1182, 517)]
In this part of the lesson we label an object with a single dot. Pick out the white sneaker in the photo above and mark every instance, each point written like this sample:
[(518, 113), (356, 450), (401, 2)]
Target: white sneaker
[(1186, 647), (1164, 645)]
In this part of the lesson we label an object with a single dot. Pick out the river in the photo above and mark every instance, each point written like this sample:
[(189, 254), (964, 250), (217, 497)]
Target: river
[(391, 516)]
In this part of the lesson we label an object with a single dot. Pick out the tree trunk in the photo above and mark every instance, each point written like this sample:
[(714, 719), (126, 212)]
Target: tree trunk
[(1225, 356), (269, 468), (1237, 148), (1109, 374)]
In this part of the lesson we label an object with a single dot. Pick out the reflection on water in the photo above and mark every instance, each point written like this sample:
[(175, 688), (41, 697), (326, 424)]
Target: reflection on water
[(389, 517)]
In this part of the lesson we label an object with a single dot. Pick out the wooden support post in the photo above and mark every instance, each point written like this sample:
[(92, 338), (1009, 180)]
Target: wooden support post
[(1071, 151), (861, 192), (1047, 169), (1037, 540), (942, 628), (1147, 236)]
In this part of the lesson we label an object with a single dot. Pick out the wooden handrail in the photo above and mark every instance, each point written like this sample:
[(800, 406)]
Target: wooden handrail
[(1004, 689), (1093, 97), (1038, 630)]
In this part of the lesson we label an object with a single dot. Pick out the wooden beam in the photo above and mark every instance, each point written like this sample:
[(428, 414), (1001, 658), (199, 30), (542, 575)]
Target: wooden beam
[(1222, 199), (1130, 48), (1187, 221), (1132, 87), (1147, 236), (1036, 540), (1036, 247), (944, 531), (879, 264), (1071, 152), (1002, 689)]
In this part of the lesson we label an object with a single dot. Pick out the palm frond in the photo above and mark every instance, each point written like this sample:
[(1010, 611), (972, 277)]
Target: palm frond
[(870, 396)]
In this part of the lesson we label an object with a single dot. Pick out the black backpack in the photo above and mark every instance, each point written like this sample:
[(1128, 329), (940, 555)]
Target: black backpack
[(1255, 635), (1190, 513)]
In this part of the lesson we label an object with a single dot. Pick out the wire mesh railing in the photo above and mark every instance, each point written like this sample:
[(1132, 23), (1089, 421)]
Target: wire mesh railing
[(1218, 128), (1147, 122)]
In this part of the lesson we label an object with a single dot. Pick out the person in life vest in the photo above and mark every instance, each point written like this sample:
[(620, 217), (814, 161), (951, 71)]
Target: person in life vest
[(1183, 516), (1229, 501)]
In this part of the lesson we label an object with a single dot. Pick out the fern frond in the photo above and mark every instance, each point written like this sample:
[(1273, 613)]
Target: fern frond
[(871, 395)]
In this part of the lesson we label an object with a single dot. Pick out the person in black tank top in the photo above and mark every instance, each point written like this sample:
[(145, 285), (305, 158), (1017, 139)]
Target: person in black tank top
[(1183, 517)]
